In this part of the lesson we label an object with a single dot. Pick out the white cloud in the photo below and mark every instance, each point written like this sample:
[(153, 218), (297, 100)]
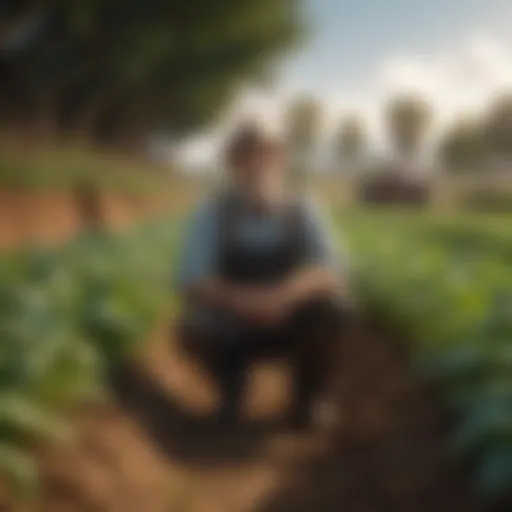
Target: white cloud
[(461, 79), (402, 73)]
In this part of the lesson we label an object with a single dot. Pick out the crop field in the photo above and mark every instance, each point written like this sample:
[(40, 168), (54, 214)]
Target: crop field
[(116, 118), (68, 316), (71, 316), (446, 283)]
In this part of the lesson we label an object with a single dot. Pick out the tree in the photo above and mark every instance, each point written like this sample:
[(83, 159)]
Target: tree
[(116, 69), (408, 118), (464, 145), (351, 139), (303, 121), (498, 126)]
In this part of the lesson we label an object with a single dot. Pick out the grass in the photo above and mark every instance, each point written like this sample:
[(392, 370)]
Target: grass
[(63, 168)]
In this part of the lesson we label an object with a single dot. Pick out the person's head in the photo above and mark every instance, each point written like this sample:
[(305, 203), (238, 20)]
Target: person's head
[(255, 161)]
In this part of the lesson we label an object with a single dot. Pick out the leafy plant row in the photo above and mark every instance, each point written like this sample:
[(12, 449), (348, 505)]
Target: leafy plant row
[(66, 316), (448, 285)]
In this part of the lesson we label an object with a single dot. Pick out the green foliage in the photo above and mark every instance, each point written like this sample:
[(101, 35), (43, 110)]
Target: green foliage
[(19, 469), (116, 68), (64, 168), (408, 118), (446, 282), (497, 125), (464, 147), (485, 196), (303, 122), (67, 316), (351, 139)]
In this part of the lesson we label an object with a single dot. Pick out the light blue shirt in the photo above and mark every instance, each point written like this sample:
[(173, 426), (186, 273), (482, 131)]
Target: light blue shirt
[(198, 259)]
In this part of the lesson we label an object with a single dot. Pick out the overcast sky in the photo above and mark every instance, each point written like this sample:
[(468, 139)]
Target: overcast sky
[(456, 52)]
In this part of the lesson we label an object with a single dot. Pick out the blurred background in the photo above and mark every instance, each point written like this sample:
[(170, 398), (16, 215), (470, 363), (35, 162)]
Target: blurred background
[(113, 116)]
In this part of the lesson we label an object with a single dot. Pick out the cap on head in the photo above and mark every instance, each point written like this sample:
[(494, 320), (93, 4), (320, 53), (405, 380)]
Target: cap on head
[(250, 139)]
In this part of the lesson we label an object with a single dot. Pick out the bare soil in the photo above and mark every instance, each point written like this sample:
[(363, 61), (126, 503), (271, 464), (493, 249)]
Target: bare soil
[(156, 449), (53, 217)]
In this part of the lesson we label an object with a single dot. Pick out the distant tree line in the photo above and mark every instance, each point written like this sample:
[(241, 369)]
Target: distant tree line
[(467, 144), (472, 142), (111, 71)]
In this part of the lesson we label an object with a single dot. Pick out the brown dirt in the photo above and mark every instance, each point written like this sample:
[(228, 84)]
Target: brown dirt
[(52, 217), (156, 451)]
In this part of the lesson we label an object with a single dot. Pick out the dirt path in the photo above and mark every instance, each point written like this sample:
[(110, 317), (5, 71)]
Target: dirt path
[(156, 451)]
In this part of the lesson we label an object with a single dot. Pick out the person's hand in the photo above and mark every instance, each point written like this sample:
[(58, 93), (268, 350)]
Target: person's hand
[(272, 309), (263, 307)]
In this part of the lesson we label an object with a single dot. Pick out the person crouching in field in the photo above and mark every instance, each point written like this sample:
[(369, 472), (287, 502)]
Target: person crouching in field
[(259, 277)]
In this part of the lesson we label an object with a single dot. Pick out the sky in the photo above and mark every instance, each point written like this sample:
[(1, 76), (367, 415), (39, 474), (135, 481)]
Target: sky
[(457, 53)]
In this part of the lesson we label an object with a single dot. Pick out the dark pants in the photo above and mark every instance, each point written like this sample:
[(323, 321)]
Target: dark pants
[(310, 339)]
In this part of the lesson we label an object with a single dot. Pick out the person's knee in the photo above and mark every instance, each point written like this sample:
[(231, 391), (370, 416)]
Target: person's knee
[(326, 313), (211, 339), (192, 341)]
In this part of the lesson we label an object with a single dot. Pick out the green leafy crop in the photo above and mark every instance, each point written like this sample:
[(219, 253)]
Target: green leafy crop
[(447, 283), (66, 317)]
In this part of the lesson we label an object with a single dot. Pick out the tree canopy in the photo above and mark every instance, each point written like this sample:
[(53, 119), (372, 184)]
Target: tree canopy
[(351, 138), (498, 126), (114, 69), (408, 118), (303, 120), (464, 146)]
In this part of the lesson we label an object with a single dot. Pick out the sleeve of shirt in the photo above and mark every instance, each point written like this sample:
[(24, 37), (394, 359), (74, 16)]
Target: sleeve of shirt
[(197, 259), (324, 243)]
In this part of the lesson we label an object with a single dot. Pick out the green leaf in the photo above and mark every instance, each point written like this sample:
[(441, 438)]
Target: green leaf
[(19, 469), (494, 476), (29, 420)]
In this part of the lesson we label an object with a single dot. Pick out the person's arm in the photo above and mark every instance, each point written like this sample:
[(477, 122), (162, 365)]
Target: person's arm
[(324, 270), (197, 278), (197, 263), (216, 292), (310, 282)]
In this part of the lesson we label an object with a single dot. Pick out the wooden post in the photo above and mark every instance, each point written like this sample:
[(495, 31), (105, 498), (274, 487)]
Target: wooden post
[(88, 202)]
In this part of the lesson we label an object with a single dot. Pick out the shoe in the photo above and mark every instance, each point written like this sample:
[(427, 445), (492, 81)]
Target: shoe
[(325, 415), (228, 416), (300, 418), (322, 415)]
